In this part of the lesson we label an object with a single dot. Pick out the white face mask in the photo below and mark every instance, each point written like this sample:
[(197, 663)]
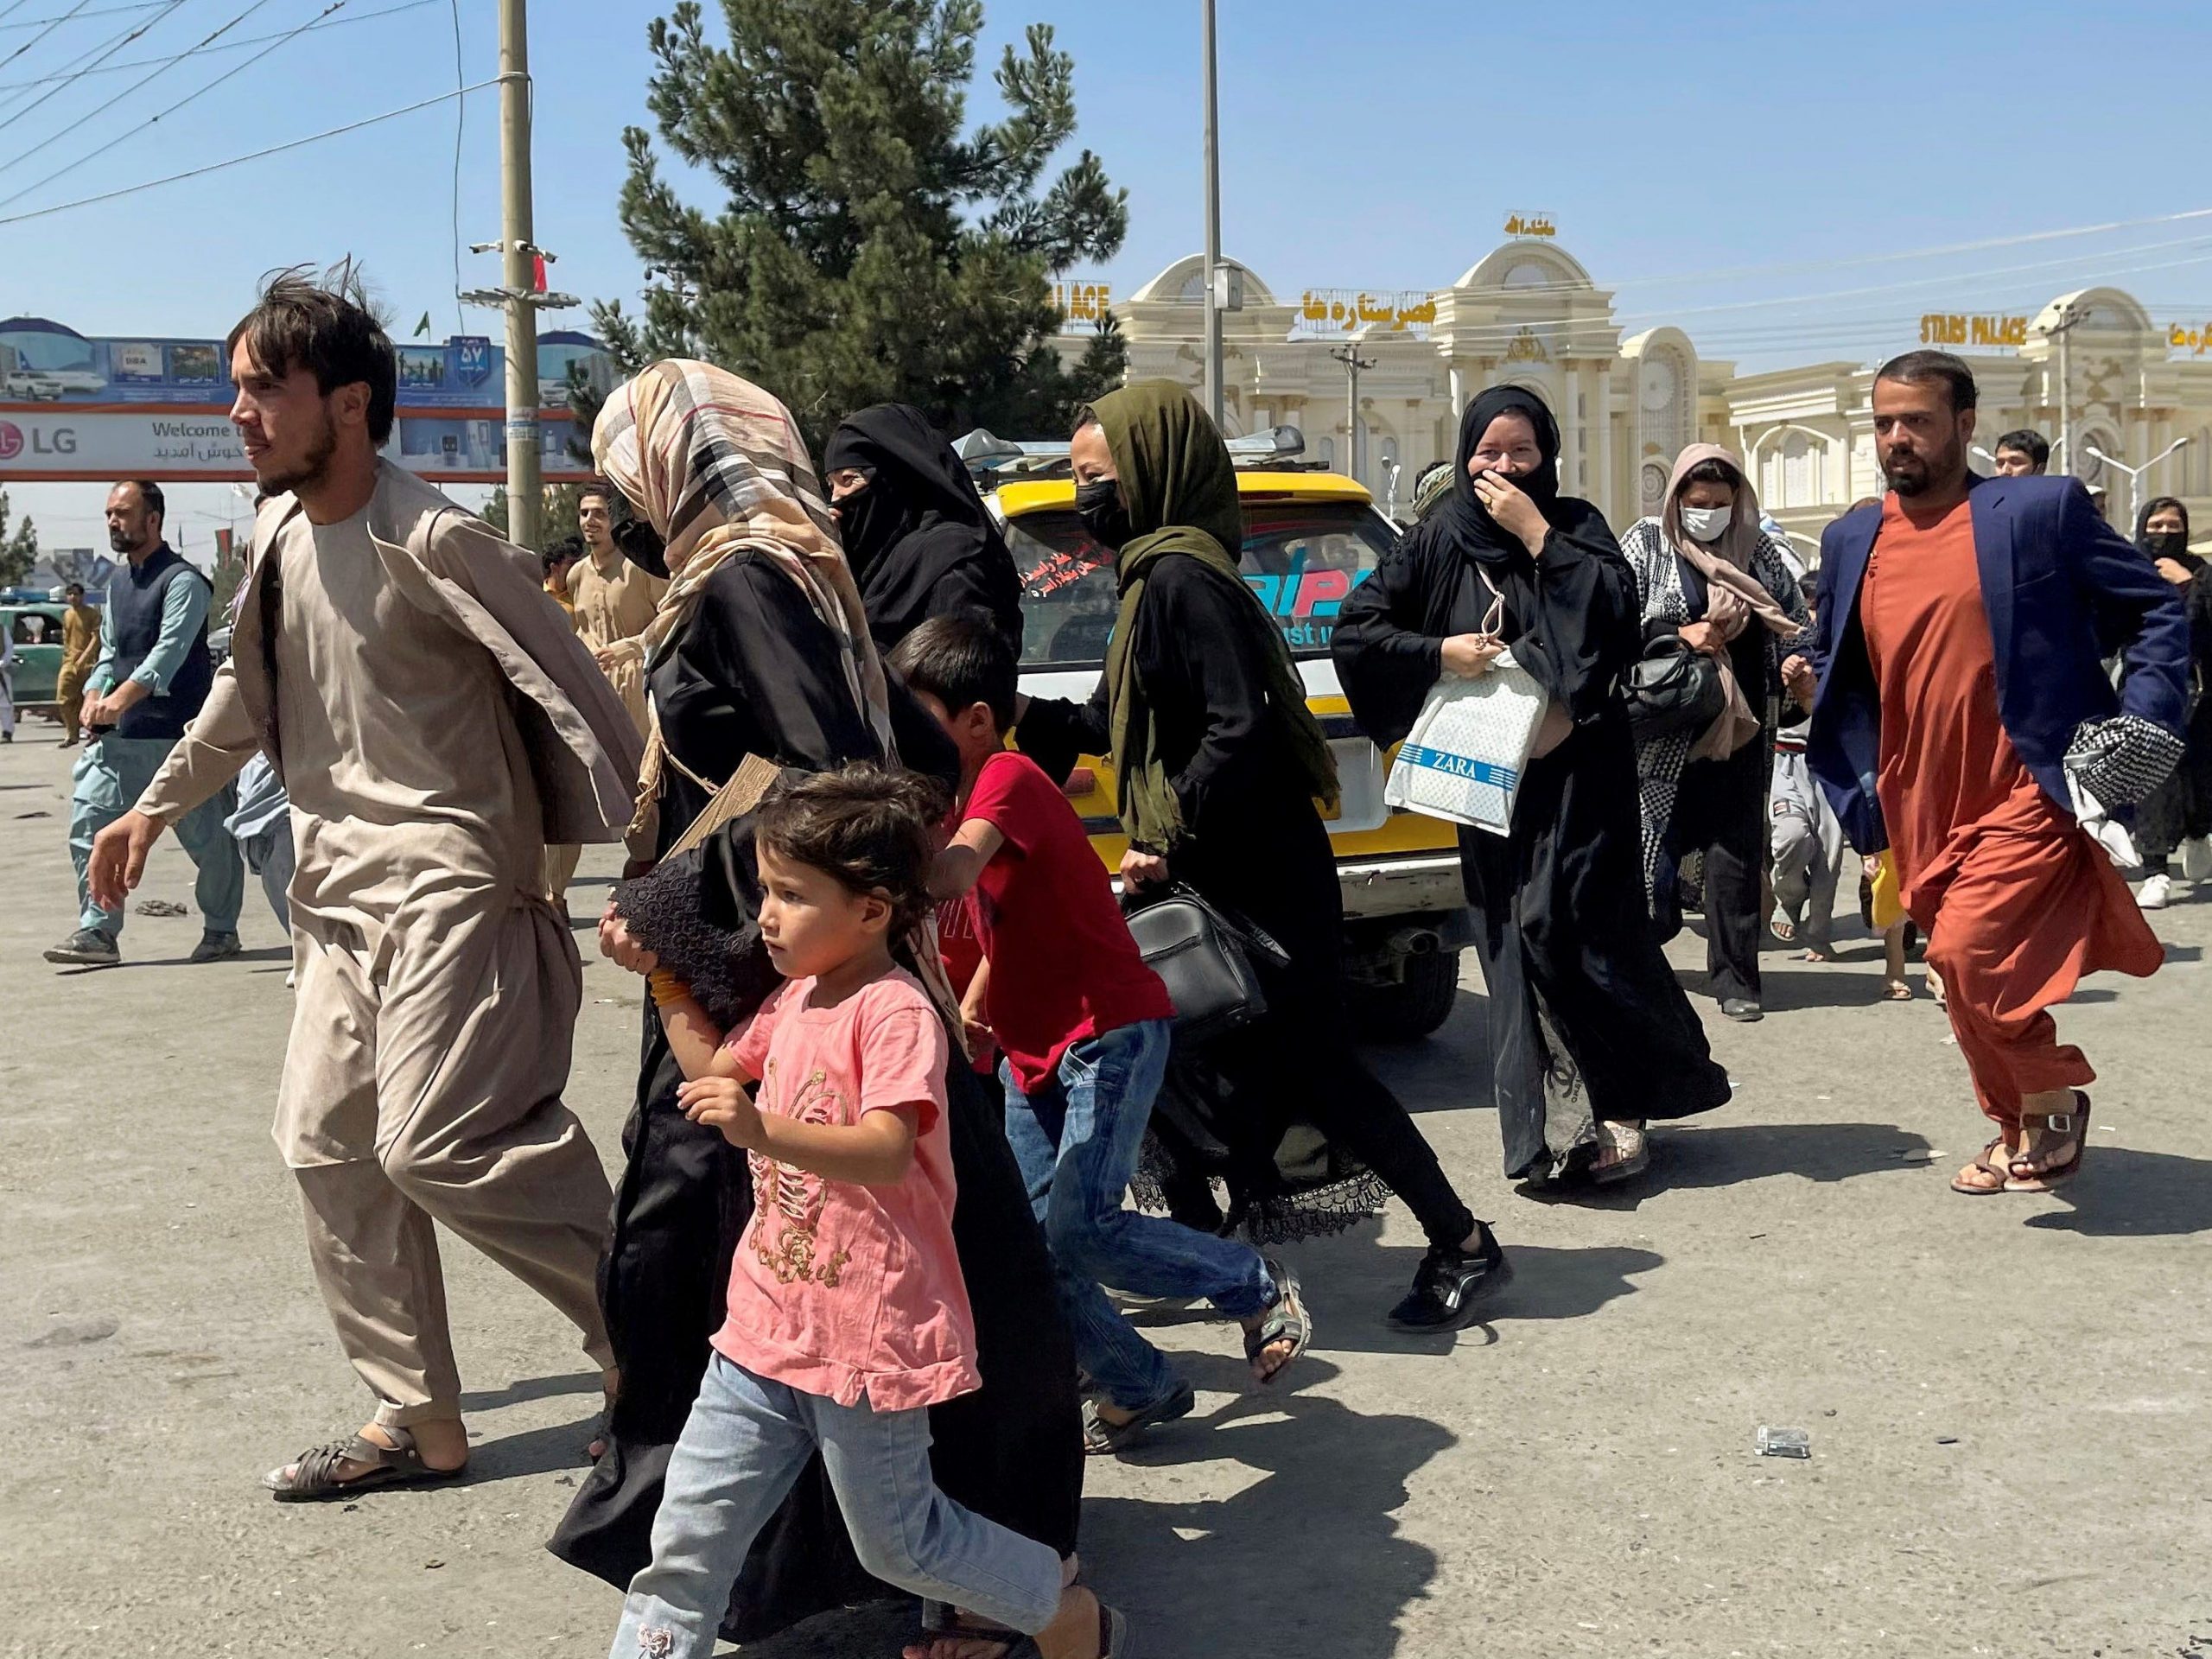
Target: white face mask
[(1707, 523)]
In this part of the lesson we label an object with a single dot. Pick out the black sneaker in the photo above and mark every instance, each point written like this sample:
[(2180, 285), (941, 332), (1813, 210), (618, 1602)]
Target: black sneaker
[(1448, 1285), (214, 947), (87, 948), (1742, 1010)]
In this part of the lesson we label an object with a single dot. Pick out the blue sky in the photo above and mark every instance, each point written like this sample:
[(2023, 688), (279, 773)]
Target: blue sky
[(1377, 145)]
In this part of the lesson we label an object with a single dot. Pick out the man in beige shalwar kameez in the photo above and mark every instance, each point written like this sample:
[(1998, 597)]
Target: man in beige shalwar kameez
[(612, 601), (437, 724)]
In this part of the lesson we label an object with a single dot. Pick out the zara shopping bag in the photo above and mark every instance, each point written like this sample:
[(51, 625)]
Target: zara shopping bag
[(1463, 760)]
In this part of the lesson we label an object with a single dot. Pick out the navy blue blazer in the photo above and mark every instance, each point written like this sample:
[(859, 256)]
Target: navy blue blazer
[(2064, 590)]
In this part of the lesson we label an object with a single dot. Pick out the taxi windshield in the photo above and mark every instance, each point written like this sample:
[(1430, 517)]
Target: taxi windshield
[(1301, 558)]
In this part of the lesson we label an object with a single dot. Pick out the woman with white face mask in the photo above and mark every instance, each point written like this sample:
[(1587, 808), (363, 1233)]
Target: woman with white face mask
[(1708, 575)]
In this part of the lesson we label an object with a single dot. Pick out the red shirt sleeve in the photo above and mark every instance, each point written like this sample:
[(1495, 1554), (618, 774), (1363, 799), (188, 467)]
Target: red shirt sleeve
[(902, 1057), (1005, 797)]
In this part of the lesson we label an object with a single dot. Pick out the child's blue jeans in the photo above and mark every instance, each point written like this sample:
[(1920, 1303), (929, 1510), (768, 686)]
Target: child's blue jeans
[(1076, 1140), (744, 1445)]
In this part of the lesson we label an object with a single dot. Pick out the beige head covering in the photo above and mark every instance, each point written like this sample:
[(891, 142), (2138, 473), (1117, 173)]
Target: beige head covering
[(1734, 595), (717, 466)]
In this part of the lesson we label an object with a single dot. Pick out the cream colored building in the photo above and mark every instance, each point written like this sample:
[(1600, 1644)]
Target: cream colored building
[(1529, 314)]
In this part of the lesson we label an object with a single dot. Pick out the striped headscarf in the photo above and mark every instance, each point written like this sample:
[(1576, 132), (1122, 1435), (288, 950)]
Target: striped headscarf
[(717, 466)]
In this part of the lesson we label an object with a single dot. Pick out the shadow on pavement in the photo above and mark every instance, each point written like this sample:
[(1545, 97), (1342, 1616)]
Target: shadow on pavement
[(2123, 1193), (1730, 1154), (530, 1388), (1315, 1527), (535, 1452)]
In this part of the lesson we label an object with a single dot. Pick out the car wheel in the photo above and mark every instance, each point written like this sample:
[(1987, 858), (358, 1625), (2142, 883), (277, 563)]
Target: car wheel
[(1414, 1007)]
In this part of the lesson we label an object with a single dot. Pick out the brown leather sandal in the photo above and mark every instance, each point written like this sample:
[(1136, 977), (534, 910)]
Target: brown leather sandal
[(1982, 1163), (314, 1475), (2072, 1130)]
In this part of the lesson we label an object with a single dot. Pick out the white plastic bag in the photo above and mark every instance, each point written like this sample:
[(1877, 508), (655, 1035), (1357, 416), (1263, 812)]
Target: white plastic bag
[(1463, 761)]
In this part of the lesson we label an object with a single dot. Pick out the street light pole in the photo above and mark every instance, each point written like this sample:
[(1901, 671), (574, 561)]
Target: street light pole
[(2068, 319), (2134, 473), (1348, 354), (524, 478), (1215, 397)]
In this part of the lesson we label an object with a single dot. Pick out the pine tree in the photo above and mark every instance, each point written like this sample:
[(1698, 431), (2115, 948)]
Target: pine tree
[(556, 517), (873, 246), (18, 550)]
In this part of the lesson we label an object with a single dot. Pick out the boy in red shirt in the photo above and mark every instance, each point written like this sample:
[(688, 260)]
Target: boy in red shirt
[(1083, 1025)]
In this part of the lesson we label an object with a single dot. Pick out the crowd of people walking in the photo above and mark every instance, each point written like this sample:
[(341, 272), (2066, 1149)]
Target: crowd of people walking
[(849, 1292)]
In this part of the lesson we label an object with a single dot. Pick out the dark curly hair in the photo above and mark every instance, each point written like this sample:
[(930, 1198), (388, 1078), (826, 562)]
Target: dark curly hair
[(870, 827)]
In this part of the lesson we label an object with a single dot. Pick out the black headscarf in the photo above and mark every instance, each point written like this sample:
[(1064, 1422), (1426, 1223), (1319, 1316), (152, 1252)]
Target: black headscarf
[(1571, 623), (1464, 517), (2180, 554), (919, 540)]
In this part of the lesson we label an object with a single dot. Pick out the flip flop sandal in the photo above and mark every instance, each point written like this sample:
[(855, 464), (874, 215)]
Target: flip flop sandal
[(2004, 1175), (1113, 1634), (313, 1474), (1634, 1146), (1103, 1439), (942, 1620), (2072, 1127), (1901, 991), (1287, 1321)]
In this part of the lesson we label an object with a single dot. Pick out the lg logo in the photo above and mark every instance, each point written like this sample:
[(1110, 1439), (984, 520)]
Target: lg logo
[(61, 440)]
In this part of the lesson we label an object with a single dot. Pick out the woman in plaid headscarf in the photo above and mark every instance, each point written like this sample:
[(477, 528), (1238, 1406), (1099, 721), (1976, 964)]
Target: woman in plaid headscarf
[(760, 648)]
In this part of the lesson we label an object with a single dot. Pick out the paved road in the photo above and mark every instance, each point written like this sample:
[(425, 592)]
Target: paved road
[(2006, 1399)]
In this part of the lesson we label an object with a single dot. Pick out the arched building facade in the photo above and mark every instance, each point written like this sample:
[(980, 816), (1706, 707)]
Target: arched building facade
[(1530, 315)]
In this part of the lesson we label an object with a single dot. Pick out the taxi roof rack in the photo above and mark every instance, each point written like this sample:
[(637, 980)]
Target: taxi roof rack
[(988, 457)]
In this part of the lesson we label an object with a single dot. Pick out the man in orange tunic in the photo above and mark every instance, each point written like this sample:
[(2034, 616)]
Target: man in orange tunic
[(1964, 624)]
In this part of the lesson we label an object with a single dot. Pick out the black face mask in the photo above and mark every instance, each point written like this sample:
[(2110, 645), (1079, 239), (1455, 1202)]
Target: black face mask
[(1099, 505), (869, 522), (2166, 543)]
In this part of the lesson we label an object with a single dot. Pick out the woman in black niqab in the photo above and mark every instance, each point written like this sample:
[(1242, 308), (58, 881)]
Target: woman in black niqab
[(1590, 1032), (919, 540)]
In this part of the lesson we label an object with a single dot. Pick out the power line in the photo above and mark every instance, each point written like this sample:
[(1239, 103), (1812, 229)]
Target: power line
[(78, 11), (225, 45), (52, 23), (459, 124), (114, 43), (240, 161), (135, 86)]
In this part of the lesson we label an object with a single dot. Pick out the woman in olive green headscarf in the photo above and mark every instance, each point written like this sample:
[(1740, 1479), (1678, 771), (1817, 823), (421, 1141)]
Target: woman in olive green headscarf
[(1221, 765)]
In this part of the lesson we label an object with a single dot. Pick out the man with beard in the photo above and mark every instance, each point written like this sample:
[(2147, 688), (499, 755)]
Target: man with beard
[(152, 676), (613, 601), (1962, 704), (437, 724)]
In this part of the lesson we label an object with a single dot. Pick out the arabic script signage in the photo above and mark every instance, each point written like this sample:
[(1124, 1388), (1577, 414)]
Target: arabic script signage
[(1530, 225), (1336, 313), (2195, 341), (1957, 329)]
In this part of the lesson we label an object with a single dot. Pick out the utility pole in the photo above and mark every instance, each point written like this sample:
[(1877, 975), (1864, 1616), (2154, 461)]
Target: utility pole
[(1348, 354), (517, 293), (1216, 396), (2068, 319)]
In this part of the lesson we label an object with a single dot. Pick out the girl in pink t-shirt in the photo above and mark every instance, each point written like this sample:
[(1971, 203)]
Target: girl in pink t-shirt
[(848, 1318)]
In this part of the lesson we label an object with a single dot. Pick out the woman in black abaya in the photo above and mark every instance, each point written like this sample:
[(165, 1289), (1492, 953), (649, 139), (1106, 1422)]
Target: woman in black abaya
[(1219, 766), (759, 650), (919, 539), (1590, 1032)]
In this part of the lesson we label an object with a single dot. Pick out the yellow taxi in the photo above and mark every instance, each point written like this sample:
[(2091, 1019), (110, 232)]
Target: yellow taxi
[(1311, 536)]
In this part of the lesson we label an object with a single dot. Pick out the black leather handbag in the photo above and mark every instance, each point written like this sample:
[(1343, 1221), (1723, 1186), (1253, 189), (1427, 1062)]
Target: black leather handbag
[(1673, 688), (1209, 962)]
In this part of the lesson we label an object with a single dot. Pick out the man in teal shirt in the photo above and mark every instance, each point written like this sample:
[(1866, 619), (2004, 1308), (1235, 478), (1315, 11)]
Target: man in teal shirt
[(154, 672)]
